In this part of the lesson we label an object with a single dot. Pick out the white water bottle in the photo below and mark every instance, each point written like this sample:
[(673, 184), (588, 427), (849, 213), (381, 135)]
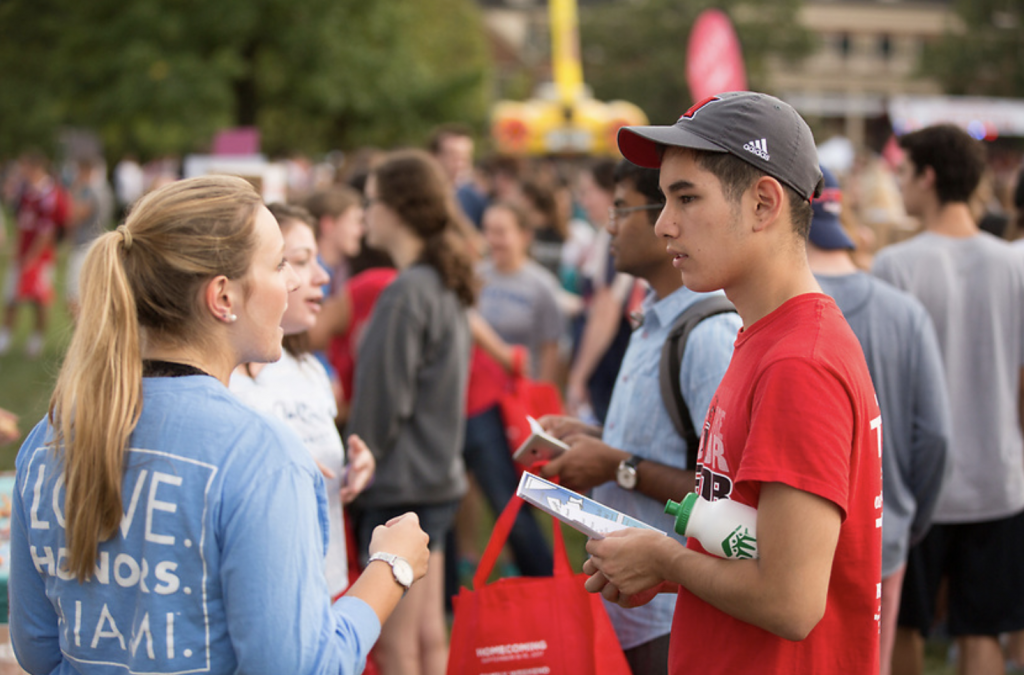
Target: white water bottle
[(724, 528)]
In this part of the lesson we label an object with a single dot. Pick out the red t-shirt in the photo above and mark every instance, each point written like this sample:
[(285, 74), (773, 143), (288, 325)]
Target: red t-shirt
[(796, 406), (38, 214), (363, 290), (488, 382)]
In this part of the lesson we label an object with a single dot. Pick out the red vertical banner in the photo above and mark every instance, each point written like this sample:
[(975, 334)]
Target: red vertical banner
[(714, 60)]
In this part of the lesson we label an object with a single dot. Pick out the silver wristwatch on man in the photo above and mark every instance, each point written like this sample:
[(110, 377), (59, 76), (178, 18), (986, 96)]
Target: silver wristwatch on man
[(625, 475)]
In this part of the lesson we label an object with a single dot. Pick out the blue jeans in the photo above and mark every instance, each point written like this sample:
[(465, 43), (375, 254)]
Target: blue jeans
[(488, 457)]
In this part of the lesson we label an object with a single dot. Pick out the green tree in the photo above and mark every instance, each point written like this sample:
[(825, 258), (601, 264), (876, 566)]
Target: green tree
[(162, 76), (637, 50), (986, 58)]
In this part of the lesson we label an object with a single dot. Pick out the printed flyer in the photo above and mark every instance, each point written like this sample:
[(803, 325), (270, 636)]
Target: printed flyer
[(581, 513)]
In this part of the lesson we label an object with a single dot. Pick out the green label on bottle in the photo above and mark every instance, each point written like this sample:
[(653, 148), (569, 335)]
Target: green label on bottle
[(740, 543)]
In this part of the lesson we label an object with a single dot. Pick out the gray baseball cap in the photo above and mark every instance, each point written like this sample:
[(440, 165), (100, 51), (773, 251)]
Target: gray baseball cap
[(758, 128)]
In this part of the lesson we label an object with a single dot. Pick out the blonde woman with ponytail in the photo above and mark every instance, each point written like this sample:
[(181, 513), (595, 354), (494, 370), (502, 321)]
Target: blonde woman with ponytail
[(159, 525)]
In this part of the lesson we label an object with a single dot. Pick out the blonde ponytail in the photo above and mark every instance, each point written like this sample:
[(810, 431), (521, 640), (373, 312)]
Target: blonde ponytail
[(145, 278), (97, 402)]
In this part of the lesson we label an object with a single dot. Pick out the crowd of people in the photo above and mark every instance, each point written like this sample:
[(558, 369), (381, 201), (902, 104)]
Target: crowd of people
[(303, 403)]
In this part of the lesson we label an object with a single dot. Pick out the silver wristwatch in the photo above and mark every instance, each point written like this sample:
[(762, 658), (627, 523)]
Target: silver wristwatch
[(625, 475), (400, 567)]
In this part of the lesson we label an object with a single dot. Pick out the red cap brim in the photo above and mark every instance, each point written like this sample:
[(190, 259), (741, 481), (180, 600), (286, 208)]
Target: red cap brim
[(641, 145)]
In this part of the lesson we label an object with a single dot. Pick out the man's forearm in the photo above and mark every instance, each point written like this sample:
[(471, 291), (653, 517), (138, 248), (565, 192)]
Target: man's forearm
[(785, 590)]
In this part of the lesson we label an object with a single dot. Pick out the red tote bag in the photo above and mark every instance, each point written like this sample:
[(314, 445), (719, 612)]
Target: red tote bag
[(523, 397), (548, 625)]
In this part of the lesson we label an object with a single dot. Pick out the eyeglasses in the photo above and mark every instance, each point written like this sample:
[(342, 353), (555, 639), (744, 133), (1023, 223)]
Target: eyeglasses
[(616, 213)]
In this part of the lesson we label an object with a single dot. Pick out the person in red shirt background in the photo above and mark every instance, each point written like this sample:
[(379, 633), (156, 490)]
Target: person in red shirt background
[(41, 208)]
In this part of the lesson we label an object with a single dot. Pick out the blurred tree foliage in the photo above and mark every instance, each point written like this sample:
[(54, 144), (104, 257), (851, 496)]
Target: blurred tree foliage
[(987, 57), (636, 50), (162, 76)]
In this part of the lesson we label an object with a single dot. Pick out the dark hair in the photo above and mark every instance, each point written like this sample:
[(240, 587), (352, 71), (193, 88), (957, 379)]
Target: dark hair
[(603, 171), (332, 202), (412, 183), (87, 163), (445, 131), (957, 159), (504, 165), (645, 181), (368, 256), (518, 214), (736, 176), (543, 199), (287, 216), (357, 181)]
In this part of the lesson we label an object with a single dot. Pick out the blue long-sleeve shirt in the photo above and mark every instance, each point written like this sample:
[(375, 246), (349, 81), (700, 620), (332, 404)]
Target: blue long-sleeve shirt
[(217, 565)]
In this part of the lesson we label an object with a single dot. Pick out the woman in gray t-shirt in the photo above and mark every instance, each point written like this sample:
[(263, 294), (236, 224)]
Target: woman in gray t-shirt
[(519, 297)]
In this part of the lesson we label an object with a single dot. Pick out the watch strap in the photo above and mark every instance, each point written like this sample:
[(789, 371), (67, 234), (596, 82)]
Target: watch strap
[(627, 476), (390, 559)]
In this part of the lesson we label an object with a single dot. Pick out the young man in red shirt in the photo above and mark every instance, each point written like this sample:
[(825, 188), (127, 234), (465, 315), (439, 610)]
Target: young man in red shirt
[(793, 430)]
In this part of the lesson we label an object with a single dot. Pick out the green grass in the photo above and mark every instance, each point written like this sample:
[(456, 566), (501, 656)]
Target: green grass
[(936, 660)]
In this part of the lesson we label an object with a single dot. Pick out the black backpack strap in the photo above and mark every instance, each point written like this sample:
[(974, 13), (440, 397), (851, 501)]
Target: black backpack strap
[(672, 361)]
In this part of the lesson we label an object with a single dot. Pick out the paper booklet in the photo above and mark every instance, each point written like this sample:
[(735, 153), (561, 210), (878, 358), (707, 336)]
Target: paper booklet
[(581, 513)]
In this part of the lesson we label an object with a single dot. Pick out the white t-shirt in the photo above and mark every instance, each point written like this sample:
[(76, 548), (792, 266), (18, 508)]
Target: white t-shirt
[(298, 392)]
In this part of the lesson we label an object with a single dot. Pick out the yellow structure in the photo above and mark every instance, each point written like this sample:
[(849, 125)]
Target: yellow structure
[(568, 122), (565, 50)]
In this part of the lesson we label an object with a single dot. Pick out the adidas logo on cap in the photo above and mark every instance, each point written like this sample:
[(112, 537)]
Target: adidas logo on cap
[(759, 148)]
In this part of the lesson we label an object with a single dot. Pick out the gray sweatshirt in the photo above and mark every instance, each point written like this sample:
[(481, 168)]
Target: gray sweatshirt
[(410, 390), (902, 353), (973, 289)]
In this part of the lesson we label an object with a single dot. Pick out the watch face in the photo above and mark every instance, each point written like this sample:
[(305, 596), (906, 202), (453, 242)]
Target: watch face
[(626, 476), (403, 572)]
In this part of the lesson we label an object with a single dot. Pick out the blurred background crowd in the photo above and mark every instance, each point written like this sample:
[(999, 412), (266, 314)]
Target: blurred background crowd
[(103, 102)]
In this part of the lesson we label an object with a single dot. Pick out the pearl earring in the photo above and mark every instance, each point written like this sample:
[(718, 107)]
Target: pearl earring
[(230, 318)]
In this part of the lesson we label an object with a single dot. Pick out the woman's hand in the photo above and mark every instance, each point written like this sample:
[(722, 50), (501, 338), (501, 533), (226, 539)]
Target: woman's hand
[(360, 469), (403, 537)]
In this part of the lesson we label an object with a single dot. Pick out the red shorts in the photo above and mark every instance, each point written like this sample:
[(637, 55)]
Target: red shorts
[(35, 282)]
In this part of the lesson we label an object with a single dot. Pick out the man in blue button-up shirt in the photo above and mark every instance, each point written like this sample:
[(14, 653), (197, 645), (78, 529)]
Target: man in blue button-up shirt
[(638, 460)]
